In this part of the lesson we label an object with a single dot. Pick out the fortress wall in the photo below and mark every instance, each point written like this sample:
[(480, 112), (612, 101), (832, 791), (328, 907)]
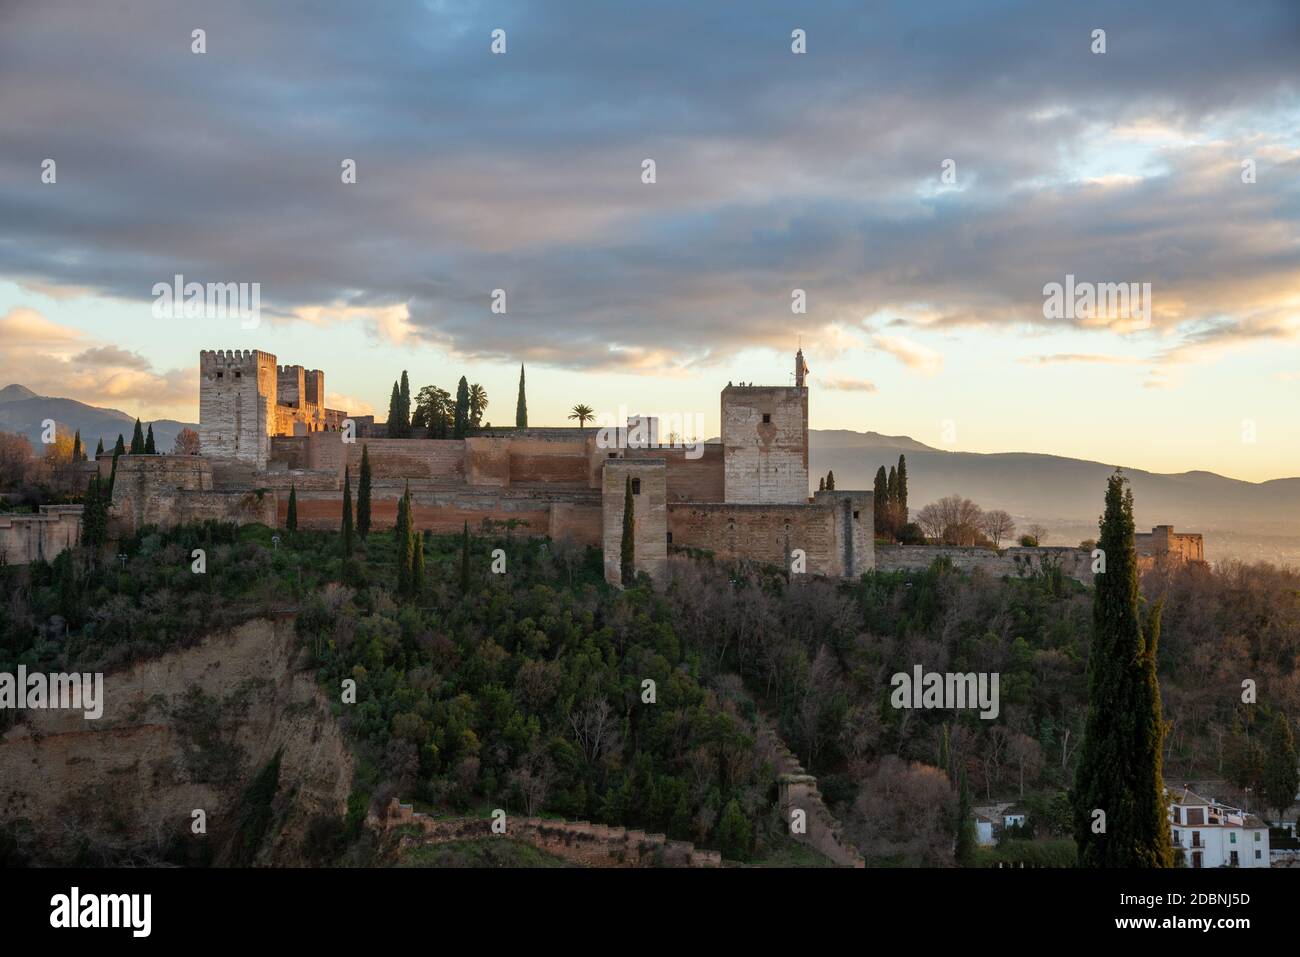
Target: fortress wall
[(395, 460), (765, 461), (580, 524), (487, 462), (853, 522), (237, 404), (290, 450), (442, 511), (763, 533), (1075, 562), (560, 461), (27, 537), (579, 842), (697, 480), (146, 487)]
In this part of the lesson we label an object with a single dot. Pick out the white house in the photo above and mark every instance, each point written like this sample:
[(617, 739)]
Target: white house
[(1211, 834)]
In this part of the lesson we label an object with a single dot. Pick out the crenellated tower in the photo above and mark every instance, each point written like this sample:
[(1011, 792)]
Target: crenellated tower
[(237, 404)]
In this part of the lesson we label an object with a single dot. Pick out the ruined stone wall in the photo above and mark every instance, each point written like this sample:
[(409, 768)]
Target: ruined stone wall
[(580, 842), (1074, 562), (649, 515), (762, 533), (765, 437), (237, 404), (168, 490), (25, 538), (1163, 544)]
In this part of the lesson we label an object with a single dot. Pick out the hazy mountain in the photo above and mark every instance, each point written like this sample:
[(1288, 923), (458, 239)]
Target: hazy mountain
[(23, 411), (1248, 520)]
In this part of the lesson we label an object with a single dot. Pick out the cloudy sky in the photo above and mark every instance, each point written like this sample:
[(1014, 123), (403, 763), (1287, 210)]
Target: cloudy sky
[(774, 171)]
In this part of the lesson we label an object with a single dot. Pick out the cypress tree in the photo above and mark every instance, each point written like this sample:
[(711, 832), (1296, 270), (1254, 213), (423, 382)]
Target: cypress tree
[(99, 449), (405, 543), (149, 447), (464, 561), (880, 501), (966, 837), (627, 555), (395, 413), (291, 518), (347, 512), (1280, 779), (1120, 761), (137, 439), (417, 564), (461, 420), (363, 494), (76, 446), (830, 481), (90, 526), (902, 491), (119, 449), (821, 484), (521, 407), (404, 393)]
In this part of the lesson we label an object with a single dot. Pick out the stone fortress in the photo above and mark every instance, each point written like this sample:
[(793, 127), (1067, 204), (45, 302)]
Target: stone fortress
[(264, 428)]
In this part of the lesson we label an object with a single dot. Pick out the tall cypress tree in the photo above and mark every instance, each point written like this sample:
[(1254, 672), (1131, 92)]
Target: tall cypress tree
[(901, 502), (91, 526), (404, 393), (464, 561), (405, 543), (137, 439), (627, 554), (149, 447), (395, 413), (1120, 770), (118, 449), (880, 501), (461, 420), (966, 837), (417, 564), (1280, 780), (830, 481), (99, 449), (291, 518), (521, 407), (363, 494), (76, 446), (347, 512)]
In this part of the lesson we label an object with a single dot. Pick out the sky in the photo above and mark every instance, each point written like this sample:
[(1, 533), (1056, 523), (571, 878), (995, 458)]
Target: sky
[(921, 172)]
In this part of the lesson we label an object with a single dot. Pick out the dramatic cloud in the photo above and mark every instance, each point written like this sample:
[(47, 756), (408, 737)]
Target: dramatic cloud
[(522, 172), (915, 356)]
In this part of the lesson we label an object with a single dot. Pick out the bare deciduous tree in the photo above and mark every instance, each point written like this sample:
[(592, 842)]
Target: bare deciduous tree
[(998, 525)]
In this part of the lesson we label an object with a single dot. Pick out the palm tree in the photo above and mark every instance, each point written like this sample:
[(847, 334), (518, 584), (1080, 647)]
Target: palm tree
[(478, 403), (582, 413)]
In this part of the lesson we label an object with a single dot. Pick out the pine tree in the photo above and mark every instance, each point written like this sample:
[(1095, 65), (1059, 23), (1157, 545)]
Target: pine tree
[(464, 561), (363, 495), (461, 420), (291, 519), (521, 407), (1119, 769), (347, 512), (76, 446), (417, 563), (404, 394), (967, 840), (395, 413), (901, 501), (627, 555), (1280, 779), (137, 440), (880, 502), (149, 447)]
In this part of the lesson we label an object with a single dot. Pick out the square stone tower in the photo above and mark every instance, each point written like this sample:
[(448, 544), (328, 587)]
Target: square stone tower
[(237, 400), (649, 478), (765, 444)]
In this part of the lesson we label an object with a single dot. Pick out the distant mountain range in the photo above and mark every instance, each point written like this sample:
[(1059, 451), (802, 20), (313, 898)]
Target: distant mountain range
[(1247, 520), (23, 411)]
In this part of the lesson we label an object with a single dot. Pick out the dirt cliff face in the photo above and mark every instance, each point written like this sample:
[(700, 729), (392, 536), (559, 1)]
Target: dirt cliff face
[(184, 732)]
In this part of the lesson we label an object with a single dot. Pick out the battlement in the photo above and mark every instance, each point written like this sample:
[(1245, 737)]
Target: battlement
[(213, 359)]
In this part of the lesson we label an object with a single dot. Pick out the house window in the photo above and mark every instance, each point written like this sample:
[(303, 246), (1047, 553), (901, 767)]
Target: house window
[(1177, 839), (238, 375), (1257, 855), (1257, 835), (855, 515), (767, 418), (613, 455), (1233, 860), (1196, 838), (670, 538), (221, 375), (636, 486), (1232, 837)]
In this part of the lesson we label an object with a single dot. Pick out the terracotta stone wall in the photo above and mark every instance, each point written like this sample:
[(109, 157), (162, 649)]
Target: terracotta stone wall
[(764, 533), (765, 461), (690, 480), (649, 514), (395, 460), (580, 524), (487, 462), (592, 845), (25, 538), (558, 462)]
